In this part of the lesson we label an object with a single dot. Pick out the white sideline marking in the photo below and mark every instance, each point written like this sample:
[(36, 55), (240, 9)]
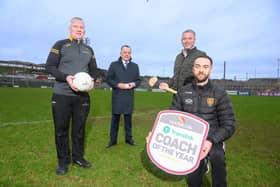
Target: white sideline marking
[(24, 123), (37, 122), (48, 121)]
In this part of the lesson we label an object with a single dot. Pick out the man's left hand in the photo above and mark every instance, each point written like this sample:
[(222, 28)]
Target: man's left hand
[(206, 149), (131, 85), (91, 87)]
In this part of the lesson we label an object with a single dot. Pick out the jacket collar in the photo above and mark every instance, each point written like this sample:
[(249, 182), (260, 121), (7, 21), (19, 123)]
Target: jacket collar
[(71, 39), (204, 87), (188, 51), (120, 59)]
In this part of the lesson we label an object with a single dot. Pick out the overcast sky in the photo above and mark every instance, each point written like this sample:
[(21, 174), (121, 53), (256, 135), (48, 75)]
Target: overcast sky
[(245, 34)]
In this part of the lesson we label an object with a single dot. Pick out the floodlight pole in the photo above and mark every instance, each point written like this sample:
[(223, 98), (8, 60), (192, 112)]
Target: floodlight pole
[(13, 76), (224, 70), (278, 68), (278, 80)]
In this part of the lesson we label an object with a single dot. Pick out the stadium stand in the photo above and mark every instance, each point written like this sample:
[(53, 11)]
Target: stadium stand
[(27, 74)]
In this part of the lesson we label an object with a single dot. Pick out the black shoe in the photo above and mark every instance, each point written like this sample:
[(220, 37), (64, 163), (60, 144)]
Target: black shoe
[(61, 170), (110, 145), (131, 142), (82, 163)]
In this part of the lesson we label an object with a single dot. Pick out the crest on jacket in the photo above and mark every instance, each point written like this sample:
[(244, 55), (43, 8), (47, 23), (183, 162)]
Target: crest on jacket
[(210, 101)]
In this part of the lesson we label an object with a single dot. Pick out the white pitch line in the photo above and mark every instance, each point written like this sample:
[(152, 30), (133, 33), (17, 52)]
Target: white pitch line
[(24, 123), (48, 121)]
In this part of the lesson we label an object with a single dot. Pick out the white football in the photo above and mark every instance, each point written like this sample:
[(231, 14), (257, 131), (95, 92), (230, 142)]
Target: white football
[(82, 81)]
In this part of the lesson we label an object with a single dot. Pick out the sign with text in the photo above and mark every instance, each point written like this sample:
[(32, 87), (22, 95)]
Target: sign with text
[(176, 141)]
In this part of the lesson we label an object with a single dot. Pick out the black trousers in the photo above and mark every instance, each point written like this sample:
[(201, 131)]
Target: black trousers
[(218, 168), (115, 127), (68, 109)]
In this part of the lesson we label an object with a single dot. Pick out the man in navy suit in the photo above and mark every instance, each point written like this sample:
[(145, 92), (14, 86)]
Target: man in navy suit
[(123, 76)]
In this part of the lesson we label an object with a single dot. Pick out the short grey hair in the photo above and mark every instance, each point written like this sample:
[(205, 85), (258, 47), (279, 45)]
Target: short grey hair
[(123, 46), (189, 30), (76, 18)]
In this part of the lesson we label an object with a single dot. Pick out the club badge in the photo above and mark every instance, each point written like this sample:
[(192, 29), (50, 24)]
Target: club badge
[(210, 101)]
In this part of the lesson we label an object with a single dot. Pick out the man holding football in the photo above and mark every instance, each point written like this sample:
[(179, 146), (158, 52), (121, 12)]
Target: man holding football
[(66, 58)]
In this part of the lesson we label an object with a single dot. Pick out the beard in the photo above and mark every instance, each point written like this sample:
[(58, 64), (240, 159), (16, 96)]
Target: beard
[(200, 79)]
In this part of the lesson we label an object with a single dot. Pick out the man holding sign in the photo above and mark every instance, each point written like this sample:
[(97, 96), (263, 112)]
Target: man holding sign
[(204, 101), (211, 103)]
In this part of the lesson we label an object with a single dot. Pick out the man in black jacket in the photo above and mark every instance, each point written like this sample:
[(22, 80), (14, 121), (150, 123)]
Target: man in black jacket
[(211, 103), (182, 74), (66, 58), (123, 76)]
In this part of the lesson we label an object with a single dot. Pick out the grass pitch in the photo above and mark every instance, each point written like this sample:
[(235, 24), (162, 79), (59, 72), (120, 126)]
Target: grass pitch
[(28, 156)]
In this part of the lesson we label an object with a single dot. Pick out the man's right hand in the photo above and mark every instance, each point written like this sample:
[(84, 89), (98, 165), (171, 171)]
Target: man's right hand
[(69, 80), (163, 86), (124, 86)]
